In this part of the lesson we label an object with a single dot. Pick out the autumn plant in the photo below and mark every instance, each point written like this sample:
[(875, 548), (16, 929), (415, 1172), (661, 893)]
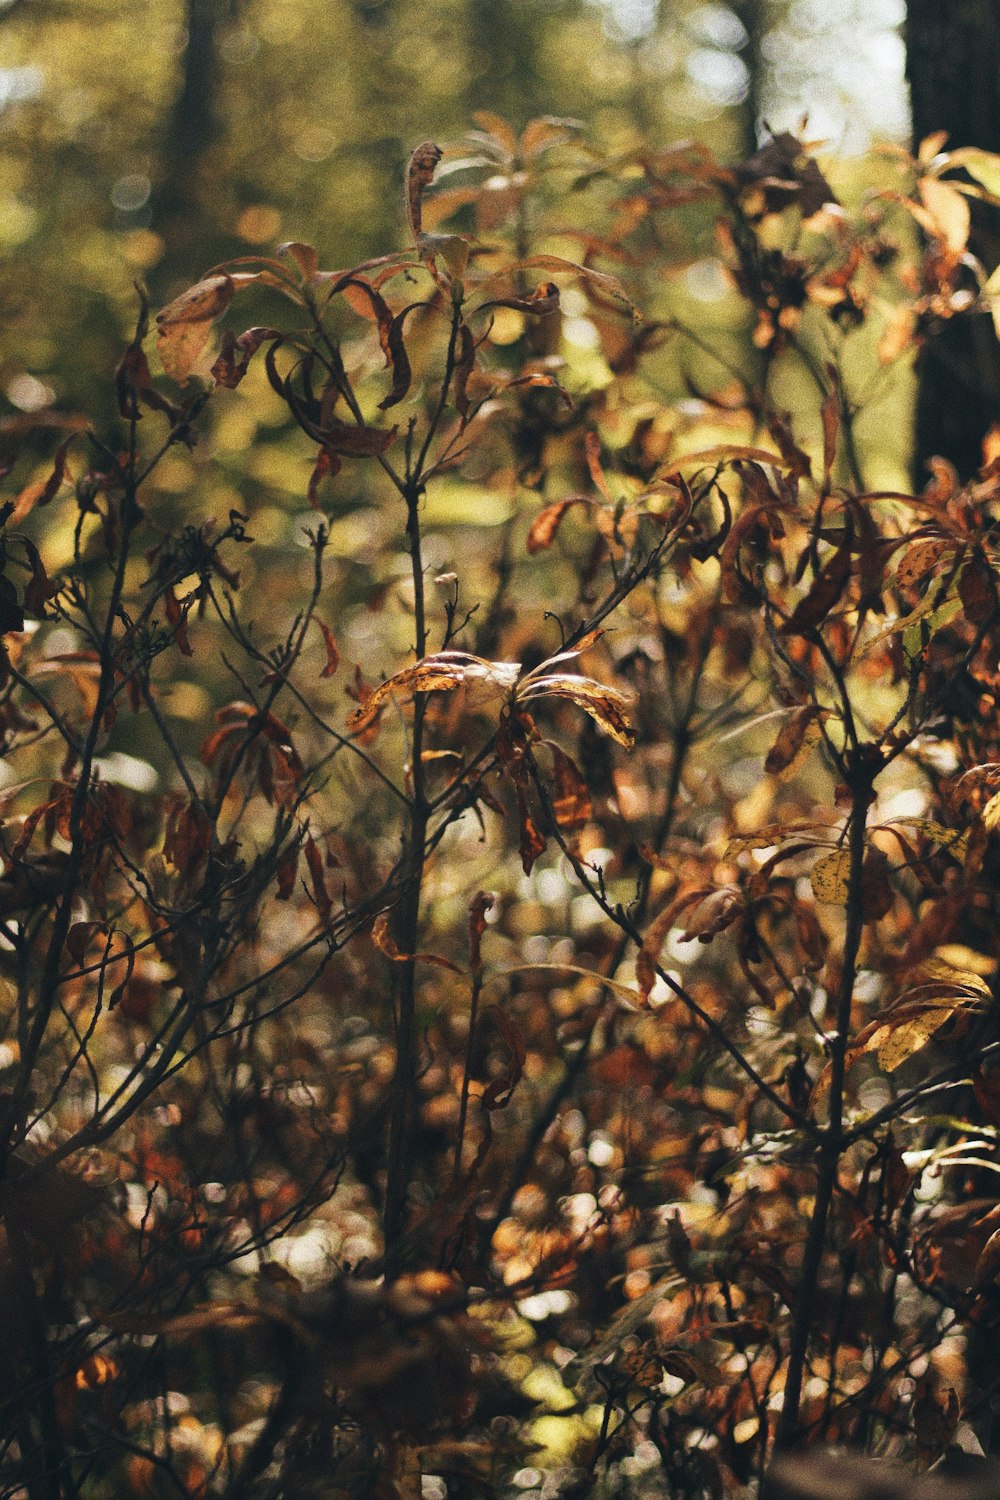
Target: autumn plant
[(499, 958)]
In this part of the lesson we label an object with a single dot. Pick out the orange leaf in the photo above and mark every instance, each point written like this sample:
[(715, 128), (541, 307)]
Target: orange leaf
[(545, 525), (332, 654)]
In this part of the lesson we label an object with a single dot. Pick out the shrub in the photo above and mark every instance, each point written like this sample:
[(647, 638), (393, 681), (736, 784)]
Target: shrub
[(570, 1061)]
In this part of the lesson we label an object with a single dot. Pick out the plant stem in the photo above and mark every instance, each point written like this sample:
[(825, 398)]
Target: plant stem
[(406, 926), (831, 1144)]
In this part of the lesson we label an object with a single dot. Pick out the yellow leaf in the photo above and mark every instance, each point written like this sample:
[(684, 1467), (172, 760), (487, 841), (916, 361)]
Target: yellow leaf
[(991, 812), (606, 706), (893, 1044), (950, 211), (829, 877), (984, 166)]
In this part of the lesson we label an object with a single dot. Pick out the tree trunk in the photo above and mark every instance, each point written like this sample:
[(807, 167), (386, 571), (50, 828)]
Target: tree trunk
[(953, 67)]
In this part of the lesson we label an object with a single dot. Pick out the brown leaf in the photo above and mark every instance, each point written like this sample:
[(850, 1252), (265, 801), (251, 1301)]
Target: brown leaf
[(304, 256), (977, 590), (713, 914), (542, 301), (285, 869), (235, 354), (531, 840), (648, 957), (499, 128), (827, 587), (187, 837), (332, 654), (386, 943), (592, 447), (42, 494), (437, 674), (39, 589), (570, 796), (465, 363), (480, 904), (790, 739), (320, 894), (419, 175), (920, 558), (831, 422), (177, 617), (390, 333), (596, 280)]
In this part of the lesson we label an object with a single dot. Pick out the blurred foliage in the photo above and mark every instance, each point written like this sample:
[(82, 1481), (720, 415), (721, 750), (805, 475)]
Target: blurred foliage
[(140, 139)]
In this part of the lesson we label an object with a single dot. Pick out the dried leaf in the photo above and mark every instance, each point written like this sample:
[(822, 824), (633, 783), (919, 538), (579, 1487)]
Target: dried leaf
[(304, 256), (235, 354), (831, 422), (184, 326), (438, 674), (481, 903), (545, 525), (977, 590), (386, 943), (465, 363), (390, 332), (631, 997), (541, 302), (419, 175), (899, 1039), (285, 869), (713, 914), (598, 280), (531, 840), (648, 957), (827, 587), (830, 877), (320, 894), (570, 796), (784, 753), (39, 589), (606, 706), (332, 654)]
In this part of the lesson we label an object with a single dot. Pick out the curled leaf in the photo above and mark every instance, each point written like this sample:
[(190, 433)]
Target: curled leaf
[(606, 706), (386, 943), (332, 654), (304, 256), (437, 674), (184, 326), (419, 175), (236, 353), (543, 528)]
